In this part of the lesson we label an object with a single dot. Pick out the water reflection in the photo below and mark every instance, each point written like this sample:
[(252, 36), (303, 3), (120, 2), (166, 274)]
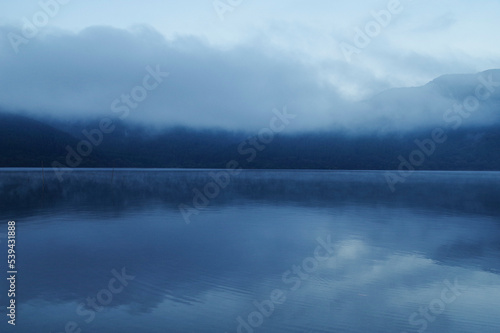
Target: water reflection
[(392, 252)]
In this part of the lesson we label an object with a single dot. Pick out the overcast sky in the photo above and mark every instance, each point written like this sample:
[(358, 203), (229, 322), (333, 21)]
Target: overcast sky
[(230, 65)]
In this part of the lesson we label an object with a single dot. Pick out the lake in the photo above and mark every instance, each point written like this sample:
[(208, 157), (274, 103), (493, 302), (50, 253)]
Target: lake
[(137, 250)]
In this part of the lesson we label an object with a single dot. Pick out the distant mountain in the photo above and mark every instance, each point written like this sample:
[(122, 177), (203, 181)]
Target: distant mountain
[(26, 143), (404, 109), (461, 140)]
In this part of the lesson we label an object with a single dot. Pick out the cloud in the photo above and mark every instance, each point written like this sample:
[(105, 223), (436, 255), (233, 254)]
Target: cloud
[(78, 75), (89, 74), (440, 23)]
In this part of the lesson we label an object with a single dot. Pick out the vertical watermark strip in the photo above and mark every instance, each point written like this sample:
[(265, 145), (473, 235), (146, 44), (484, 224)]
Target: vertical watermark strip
[(11, 272)]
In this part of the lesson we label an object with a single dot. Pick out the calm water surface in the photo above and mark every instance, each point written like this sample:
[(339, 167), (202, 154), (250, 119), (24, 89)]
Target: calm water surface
[(272, 251)]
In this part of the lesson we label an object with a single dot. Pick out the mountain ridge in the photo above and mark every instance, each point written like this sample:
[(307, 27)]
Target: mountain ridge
[(29, 141)]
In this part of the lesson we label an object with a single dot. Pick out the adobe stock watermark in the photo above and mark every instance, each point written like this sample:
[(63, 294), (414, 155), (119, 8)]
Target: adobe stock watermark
[(363, 36), (454, 117), (294, 278), (222, 7), (221, 179), (32, 26), (428, 314), (102, 298), (122, 106)]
